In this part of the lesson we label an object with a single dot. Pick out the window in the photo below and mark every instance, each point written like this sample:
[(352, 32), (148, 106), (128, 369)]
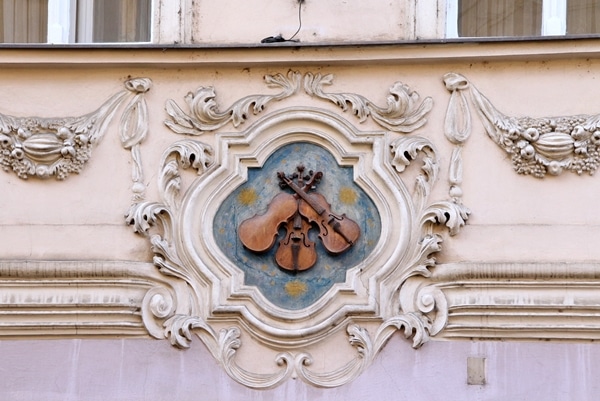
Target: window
[(485, 18), (24, 21), (500, 18), (75, 21), (583, 16)]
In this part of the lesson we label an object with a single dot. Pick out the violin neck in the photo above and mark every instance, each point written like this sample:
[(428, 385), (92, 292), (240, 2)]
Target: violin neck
[(301, 193)]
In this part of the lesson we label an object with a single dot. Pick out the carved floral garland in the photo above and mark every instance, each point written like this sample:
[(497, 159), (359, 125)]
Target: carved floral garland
[(537, 146), (45, 147)]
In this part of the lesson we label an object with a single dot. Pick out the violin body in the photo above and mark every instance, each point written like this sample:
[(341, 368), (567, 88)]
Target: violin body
[(338, 233), (296, 252), (259, 233)]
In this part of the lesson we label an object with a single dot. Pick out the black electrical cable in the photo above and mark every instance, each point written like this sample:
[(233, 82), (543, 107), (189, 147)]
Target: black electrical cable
[(299, 21), (279, 38)]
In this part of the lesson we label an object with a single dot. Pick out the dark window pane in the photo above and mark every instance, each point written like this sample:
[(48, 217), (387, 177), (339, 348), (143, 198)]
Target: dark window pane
[(24, 21), (121, 21), (583, 17), (478, 18)]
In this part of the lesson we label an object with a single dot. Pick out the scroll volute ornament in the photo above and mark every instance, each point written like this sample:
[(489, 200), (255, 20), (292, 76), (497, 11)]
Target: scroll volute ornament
[(298, 213)]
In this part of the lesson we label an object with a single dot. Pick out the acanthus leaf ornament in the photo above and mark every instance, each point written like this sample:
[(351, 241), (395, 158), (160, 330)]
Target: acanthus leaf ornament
[(360, 340), (145, 215), (182, 154), (204, 112), (374, 282), (402, 114), (178, 328), (405, 150), (451, 214), (405, 112)]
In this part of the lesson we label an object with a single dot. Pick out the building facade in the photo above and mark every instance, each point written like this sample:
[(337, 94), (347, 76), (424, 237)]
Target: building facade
[(301, 200)]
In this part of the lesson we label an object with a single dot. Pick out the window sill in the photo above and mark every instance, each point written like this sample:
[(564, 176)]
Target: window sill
[(398, 52)]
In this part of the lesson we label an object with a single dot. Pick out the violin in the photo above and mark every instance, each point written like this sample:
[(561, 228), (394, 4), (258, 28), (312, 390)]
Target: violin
[(296, 252), (298, 213), (338, 233), (259, 233)]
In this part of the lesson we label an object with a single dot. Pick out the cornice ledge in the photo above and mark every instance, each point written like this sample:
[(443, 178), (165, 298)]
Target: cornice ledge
[(99, 269), (74, 298), (313, 54), (520, 301), (451, 273)]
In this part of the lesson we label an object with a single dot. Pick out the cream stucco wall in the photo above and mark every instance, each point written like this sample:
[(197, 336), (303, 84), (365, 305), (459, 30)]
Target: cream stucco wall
[(525, 267), (233, 22)]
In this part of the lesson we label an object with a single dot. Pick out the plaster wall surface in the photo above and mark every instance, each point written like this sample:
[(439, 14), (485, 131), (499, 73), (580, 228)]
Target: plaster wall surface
[(529, 219), (249, 22), (528, 254), (148, 370)]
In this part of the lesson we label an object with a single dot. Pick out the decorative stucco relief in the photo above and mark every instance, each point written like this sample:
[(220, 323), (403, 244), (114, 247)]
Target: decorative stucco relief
[(45, 147), (537, 146), (360, 296), (76, 298), (405, 112), (520, 301)]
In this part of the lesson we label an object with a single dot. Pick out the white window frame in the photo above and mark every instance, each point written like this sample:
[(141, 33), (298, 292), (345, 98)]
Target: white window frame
[(554, 18), (61, 21), (172, 21)]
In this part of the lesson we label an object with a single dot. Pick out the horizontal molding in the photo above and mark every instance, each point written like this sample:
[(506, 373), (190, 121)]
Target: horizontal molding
[(74, 298), (520, 300), (499, 301), (473, 271), (434, 51)]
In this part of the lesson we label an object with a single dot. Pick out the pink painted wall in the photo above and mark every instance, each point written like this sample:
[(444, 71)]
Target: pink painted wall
[(139, 369)]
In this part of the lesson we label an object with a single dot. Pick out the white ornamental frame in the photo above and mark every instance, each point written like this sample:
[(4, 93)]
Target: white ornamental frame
[(378, 296)]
